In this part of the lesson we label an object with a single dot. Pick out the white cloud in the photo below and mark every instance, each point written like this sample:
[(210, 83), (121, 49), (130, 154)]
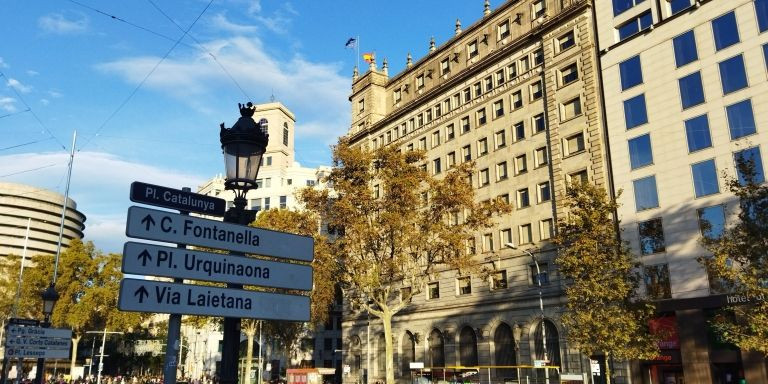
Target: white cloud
[(54, 93), (59, 24), (45, 102), (221, 22), (314, 91), (18, 85), (100, 186), (32, 73), (2, 63), (8, 104)]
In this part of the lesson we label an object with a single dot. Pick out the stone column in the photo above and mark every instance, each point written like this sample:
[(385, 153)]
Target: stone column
[(694, 346)]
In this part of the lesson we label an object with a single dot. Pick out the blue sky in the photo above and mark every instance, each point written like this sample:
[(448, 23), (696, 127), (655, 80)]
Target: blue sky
[(146, 100)]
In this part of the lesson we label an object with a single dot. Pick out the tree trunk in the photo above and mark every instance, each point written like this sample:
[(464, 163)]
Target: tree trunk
[(386, 321), (75, 339), (607, 368), (250, 333)]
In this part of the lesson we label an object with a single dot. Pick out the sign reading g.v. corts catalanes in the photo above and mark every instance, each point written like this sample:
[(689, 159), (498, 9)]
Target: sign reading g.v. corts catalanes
[(170, 227)]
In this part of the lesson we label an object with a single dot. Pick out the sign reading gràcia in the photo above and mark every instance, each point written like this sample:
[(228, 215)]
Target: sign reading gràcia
[(170, 227)]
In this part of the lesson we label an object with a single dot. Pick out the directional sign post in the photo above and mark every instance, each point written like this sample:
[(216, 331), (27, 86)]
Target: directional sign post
[(161, 297), (176, 199), (170, 227), (145, 259), (37, 342)]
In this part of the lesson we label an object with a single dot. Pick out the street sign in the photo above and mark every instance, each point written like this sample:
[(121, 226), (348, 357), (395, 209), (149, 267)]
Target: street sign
[(150, 224), (594, 367), (161, 297), (38, 343), (37, 353), (15, 330), (20, 321), (177, 199), (540, 363), (154, 260)]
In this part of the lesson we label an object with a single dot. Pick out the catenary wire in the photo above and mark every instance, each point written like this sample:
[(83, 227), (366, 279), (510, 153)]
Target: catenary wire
[(15, 113), (23, 144), (18, 95), (136, 89)]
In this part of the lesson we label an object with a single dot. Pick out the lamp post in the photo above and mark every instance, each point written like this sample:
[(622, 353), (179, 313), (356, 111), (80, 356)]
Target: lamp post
[(49, 296), (541, 308), (243, 146)]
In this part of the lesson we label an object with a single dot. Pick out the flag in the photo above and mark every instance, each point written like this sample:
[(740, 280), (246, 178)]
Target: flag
[(368, 57), (351, 43)]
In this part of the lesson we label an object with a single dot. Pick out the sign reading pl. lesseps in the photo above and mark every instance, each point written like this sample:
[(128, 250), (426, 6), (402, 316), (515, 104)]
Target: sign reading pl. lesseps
[(154, 260), (161, 297), (177, 199), (170, 227)]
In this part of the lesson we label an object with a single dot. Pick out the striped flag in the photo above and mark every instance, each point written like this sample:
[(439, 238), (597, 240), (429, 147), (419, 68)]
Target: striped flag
[(368, 57)]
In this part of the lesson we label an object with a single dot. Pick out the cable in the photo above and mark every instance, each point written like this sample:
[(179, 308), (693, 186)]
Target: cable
[(202, 48), (29, 170), (33, 112), (130, 96), (15, 113), (21, 145)]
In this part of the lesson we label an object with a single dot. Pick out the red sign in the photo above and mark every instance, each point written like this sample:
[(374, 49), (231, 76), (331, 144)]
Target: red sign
[(666, 328)]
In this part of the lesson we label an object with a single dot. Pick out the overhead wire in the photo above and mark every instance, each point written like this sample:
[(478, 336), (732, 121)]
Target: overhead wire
[(29, 170), (136, 89), (23, 144), (15, 113)]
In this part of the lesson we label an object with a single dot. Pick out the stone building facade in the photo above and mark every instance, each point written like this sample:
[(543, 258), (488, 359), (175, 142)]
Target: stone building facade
[(517, 93)]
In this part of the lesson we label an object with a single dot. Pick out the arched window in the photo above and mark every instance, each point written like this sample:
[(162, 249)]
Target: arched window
[(285, 134), (436, 349), (355, 347), (409, 354), (553, 343), (504, 351), (467, 347), (381, 355)]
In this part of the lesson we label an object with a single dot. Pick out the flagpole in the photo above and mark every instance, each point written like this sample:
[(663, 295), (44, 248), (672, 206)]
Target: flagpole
[(357, 55)]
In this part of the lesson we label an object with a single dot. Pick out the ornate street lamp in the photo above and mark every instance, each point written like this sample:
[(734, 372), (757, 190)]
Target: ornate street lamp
[(243, 146), (50, 296)]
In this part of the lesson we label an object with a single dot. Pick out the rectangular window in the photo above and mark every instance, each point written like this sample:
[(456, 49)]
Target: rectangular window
[(512, 70), (646, 196), (656, 278), (506, 236), (539, 8), (733, 76), (526, 234), (445, 66), (499, 280), (543, 192), (539, 124), (256, 205), (725, 31), (697, 133), (571, 109), (397, 96), (630, 72), (477, 89), (482, 147), (361, 106), (685, 48), (521, 164), (433, 290), (472, 49), (519, 131), (651, 236), (578, 177), (435, 138), (500, 77), (523, 199), (266, 203), (619, 6), (525, 64), (705, 178), (539, 275), (546, 229), (498, 108), (635, 25), (741, 121), (436, 166), (423, 143), (480, 114), (541, 157), (463, 286), (517, 99), (501, 171), (501, 139), (450, 160), (484, 177), (467, 94), (470, 246), (488, 83), (419, 81), (640, 153), (488, 242), (283, 202), (536, 90), (569, 74), (465, 124), (466, 153), (751, 158), (574, 144), (538, 57), (450, 134), (635, 112), (428, 115), (691, 90), (712, 221), (503, 30), (761, 10), (566, 41), (676, 6)]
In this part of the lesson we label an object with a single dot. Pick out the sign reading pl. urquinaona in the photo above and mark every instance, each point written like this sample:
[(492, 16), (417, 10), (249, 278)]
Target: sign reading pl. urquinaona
[(146, 259), (161, 297), (170, 227), (176, 199)]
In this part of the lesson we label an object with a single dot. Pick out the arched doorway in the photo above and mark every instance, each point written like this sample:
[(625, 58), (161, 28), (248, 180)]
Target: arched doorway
[(467, 347), (436, 349), (407, 355), (504, 351)]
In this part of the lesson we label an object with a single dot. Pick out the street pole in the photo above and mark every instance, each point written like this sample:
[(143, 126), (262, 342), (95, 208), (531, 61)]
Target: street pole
[(368, 349), (101, 350)]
